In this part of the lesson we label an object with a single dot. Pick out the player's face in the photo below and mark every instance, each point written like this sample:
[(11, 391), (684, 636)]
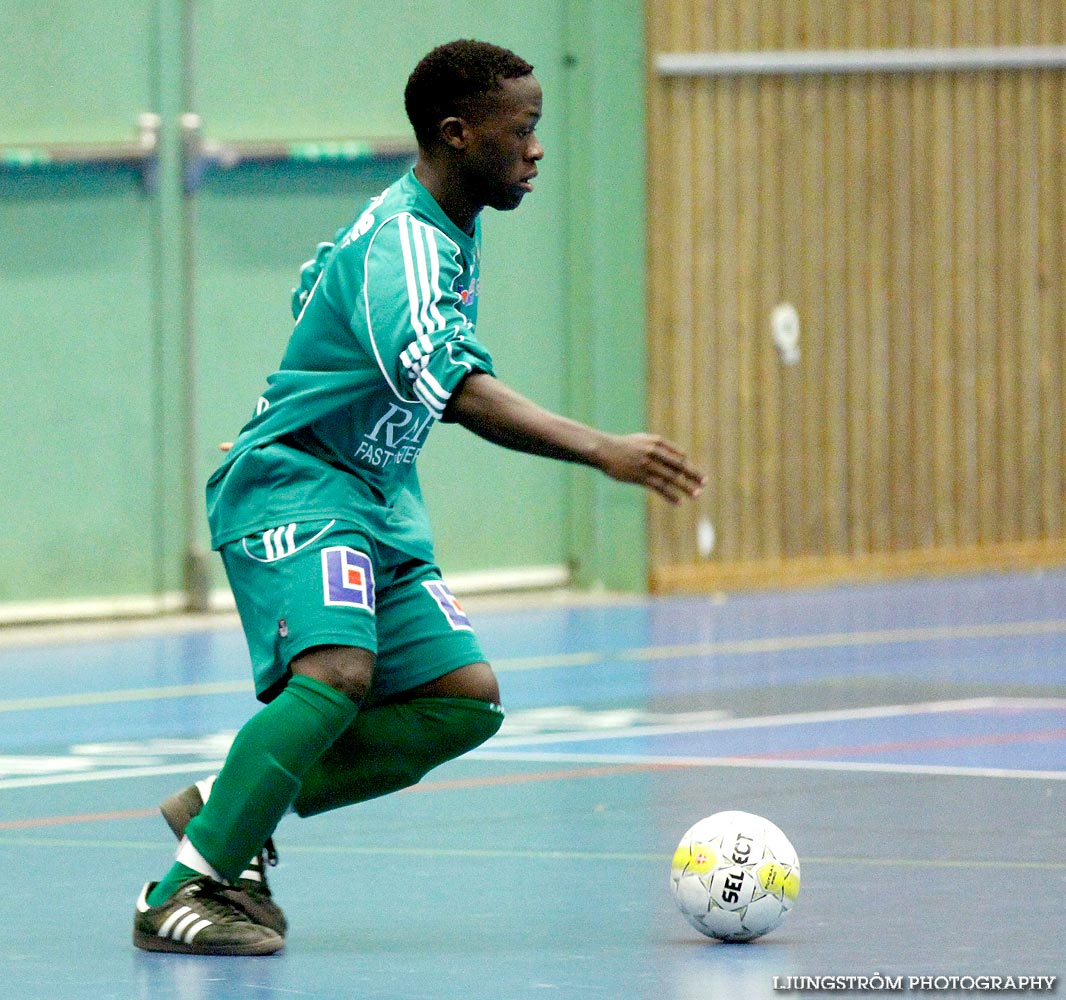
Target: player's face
[(502, 148)]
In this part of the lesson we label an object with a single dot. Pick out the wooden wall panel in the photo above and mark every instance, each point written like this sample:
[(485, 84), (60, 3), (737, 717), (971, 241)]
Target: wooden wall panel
[(916, 222)]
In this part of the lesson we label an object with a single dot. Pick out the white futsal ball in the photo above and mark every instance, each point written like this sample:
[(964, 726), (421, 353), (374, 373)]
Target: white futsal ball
[(735, 876)]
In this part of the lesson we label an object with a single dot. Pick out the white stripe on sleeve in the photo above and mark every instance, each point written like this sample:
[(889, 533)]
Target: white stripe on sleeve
[(409, 273), (435, 317), (433, 405), (426, 322), (430, 382)]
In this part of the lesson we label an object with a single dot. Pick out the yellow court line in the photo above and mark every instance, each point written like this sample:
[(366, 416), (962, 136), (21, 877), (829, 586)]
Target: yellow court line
[(778, 644)]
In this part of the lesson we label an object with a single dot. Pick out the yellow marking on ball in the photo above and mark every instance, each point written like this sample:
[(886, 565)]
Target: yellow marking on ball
[(695, 857), (780, 880)]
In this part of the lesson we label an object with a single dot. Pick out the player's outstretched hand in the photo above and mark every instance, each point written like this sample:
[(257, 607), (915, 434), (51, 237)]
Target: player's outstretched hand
[(649, 460), (494, 411)]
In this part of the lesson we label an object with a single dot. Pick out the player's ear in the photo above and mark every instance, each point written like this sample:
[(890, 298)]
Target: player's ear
[(453, 132)]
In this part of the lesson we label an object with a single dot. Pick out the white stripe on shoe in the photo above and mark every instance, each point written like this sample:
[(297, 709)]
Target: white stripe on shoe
[(168, 924), (177, 932), (191, 935), (183, 925)]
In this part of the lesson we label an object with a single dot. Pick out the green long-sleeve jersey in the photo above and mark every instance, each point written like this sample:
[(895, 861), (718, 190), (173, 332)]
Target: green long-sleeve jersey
[(384, 335)]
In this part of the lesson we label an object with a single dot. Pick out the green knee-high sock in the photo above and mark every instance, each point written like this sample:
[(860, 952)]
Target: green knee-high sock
[(262, 776), (389, 747)]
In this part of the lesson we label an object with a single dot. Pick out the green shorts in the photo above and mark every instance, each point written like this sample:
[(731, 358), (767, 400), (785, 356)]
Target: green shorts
[(326, 583)]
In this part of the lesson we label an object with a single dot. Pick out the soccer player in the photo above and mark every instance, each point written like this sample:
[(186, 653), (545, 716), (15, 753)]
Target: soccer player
[(370, 672)]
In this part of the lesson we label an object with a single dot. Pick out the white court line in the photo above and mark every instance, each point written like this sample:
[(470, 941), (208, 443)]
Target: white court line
[(790, 719), (189, 767), (790, 765), (209, 766), (496, 750)]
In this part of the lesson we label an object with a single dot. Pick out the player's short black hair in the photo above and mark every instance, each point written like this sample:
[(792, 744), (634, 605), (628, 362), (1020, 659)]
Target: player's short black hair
[(447, 79)]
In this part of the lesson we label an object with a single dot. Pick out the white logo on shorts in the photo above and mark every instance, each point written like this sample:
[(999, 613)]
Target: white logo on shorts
[(281, 542)]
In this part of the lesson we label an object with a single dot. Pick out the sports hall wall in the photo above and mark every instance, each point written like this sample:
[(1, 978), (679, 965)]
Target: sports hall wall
[(909, 206), (147, 263)]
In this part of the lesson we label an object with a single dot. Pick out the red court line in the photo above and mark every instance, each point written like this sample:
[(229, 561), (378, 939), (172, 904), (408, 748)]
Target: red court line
[(426, 786), (29, 824), (939, 743)]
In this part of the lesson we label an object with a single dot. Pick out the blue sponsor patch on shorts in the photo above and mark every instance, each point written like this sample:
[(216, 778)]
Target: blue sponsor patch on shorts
[(347, 578), (446, 601)]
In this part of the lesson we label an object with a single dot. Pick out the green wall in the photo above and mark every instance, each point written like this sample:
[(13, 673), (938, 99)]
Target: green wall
[(141, 319)]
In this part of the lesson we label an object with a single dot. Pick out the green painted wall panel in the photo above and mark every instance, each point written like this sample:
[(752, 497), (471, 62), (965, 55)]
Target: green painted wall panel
[(76, 332), (335, 69), (74, 71), (607, 290)]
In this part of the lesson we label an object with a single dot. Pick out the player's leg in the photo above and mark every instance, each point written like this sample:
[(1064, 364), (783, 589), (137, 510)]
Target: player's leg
[(329, 643), (263, 771), (475, 680), (389, 746), (254, 789), (434, 698), (271, 754), (394, 746)]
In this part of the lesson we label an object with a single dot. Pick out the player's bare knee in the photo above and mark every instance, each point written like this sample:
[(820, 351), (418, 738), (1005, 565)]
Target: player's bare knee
[(349, 669), (475, 681), (479, 683)]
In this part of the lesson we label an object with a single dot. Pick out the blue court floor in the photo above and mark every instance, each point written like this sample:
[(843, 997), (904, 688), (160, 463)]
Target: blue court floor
[(910, 738)]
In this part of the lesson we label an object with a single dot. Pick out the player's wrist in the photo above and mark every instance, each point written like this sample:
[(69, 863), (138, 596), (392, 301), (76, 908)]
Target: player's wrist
[(596, 449)]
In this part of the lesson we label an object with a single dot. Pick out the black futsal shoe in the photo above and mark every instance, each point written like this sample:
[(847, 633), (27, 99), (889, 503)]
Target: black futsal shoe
[(250, 892), (200, 919)]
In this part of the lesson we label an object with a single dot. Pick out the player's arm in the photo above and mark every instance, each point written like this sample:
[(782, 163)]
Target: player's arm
[(494, 411)]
